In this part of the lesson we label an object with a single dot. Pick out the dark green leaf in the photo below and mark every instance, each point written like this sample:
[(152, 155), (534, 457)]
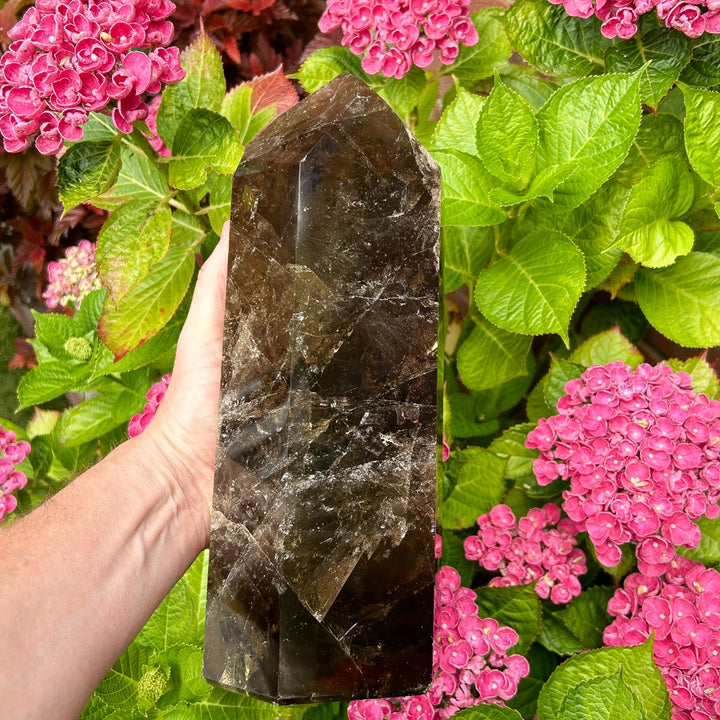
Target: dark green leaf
[(542, 663), (86, 170), (511, 447), (560, 373), (703, 68), (453, 553)]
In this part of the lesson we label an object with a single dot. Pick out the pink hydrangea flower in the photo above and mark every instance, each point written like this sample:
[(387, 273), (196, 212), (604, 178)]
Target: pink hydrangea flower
[(394, 35), (12, 453), (620, 17), (71, 57), (641, 453), (538, 548), (682, 609), (154, 397), (73, 277), (471, 664)]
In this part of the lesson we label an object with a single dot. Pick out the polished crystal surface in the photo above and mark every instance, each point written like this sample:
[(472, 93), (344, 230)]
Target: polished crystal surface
[(321, 556)]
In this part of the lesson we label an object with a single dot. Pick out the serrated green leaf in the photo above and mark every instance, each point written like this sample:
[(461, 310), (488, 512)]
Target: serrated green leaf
[(465, 187), (456, 128), (491, 356), (557, 637), (53, 330), (681, 300), (119, 688), (606, 347), (517, 607), (493, 402), (86, 170), (542, 185), (587, 617), (659, 136), (220, 187), (636, 668), (542, 663), (703, 68), (50, 380), (99, 127), (588, 125), (492, 49), (534, 286), (204, 140), (603, 698), (133, 239), (702, 132), (552, 41), (222, 705), (488, 712), (704, 378), (708, 550), (536, 91), (202, 87), (510, 446), (86, 318), (326, 64), (465, 251), (149, 305), (560, 373), (647, 232), (507, 135), (480, 486), (464, 422), (403, 95), (453, 554), (661, 54), (139, 178), (186, 675)]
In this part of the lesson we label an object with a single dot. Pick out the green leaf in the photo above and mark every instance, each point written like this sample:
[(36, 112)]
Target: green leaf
[(326, 64), (556, 636), (465, 187), (510, 446), (491, 356), (703, 68), (606, 347), (50, 380), (708, 550), (488, 712), (465, 251), (463, 419), (119, 688), (542, 185), (220, 187), (453, 553), (456, 128), (604, 698), (661, 54), (478, 488), (403, 95), (574, 683), (86, 170), (542, 663), (681, 300), (53, 330), (202, 87), (533, 288), (704, 378), (222, 705), (552, 41), (133, 239), (647, 232), (204, 140), (139, 178), (149, 305), (492, 49), (507, 135), (589, 126), (702, 132), (560, 373), (517, 607), (586, 617)]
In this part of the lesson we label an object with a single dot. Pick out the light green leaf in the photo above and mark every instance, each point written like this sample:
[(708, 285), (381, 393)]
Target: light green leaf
[(681, 301), (119, 688), (507, 135), (222, 705), (704, 378), (149, 305), (588, 125), (708, 551), (202, 87), (492, 49), (488, 712), (586, 617), (403, 95), (661, 54), (326, 64), (465, 187), (542, 185), (133, 239), (478, 488), (606, 347), (220, 187), (139, 178), (703, 68), (702, 132), (533, 288), (517, 607), (456, 128), (510, 446), (50, 380), (464, 421), (552, 41), (574, 679), (204, 140), (647, 232), (491, 356), (465, 251), (604, 698), (86, 170), (99, 127)]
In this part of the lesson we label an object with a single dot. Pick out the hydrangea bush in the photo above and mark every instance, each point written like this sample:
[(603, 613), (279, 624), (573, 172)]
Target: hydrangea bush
[(579, 453)]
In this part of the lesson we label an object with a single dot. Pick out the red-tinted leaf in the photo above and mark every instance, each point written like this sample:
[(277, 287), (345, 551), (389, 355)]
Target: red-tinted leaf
[(272, 89)]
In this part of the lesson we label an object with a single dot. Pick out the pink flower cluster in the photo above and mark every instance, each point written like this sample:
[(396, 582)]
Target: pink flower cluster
[(470, 661), (12, 452), (641, 452), (153, 396), (71, 57), (73, 277), (620, 17), (683, 610), (396, 34), (530, 549)]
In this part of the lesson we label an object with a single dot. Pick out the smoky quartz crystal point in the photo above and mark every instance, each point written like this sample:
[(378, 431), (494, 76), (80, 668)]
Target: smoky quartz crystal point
[(322, 550)]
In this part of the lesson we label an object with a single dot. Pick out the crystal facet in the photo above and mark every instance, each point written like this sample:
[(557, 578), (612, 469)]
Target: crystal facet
[(322, 550)]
